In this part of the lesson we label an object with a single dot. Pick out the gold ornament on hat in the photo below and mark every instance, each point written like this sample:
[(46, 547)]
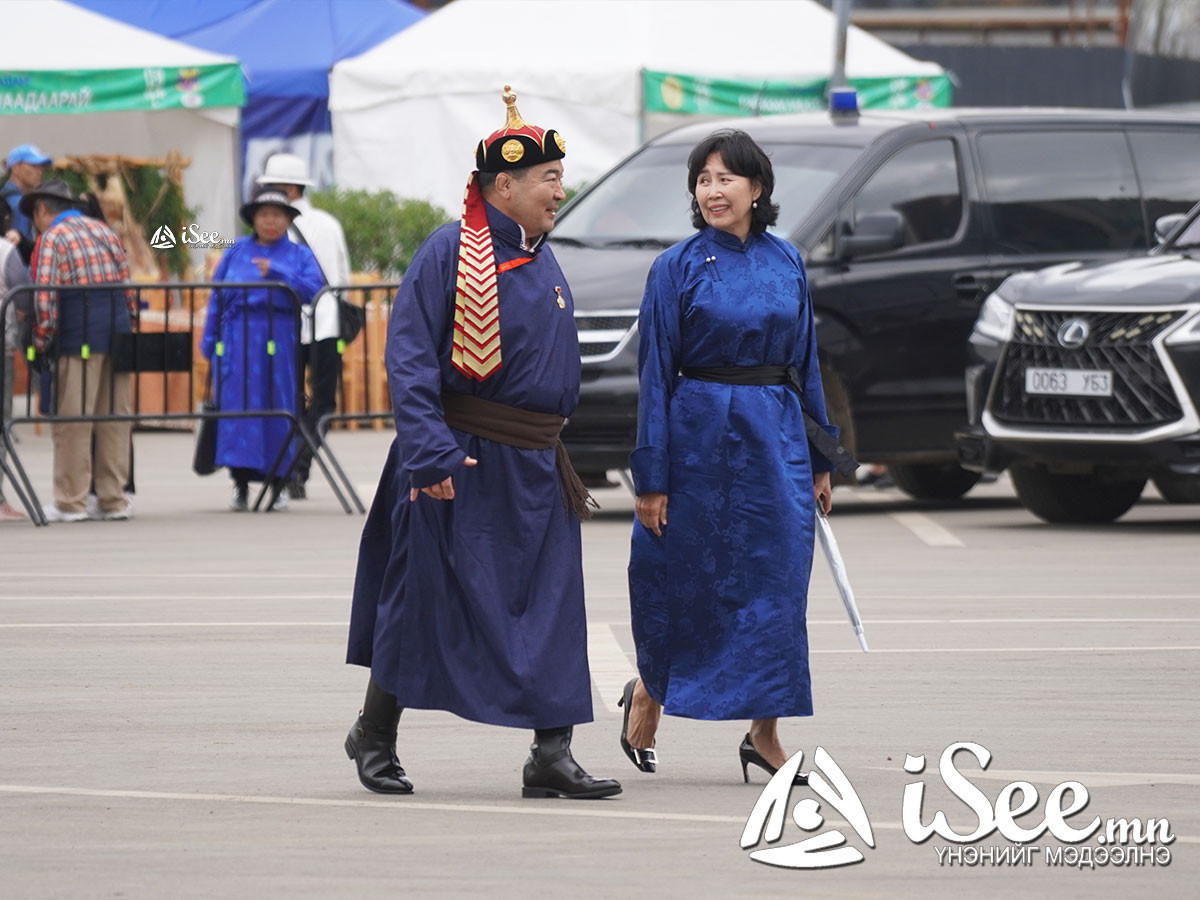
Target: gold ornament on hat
[(513, 118), (562, 145), (512, 150)]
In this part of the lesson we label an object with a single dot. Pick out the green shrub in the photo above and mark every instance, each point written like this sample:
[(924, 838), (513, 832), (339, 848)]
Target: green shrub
[(382, 231)]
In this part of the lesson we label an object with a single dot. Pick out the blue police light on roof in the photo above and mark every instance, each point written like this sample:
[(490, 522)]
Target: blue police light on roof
[(843, 101)]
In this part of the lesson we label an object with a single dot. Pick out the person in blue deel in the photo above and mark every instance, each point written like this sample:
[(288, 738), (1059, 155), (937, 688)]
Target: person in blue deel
[(254, 335), (727, 471), (469, 591)]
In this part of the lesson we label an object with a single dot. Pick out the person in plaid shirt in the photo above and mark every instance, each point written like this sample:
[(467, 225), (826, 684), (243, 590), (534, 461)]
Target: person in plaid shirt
[(78, 327)]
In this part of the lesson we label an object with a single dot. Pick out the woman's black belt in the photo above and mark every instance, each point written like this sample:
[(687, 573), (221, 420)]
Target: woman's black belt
[(827, 446)]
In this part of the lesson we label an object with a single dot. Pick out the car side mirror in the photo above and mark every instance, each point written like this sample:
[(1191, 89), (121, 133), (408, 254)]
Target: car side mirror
[(875, 233), (1164, 225)]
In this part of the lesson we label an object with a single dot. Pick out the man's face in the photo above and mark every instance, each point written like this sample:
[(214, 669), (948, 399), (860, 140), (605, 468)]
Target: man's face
[(291, 191), (531, 197), (27, 175)]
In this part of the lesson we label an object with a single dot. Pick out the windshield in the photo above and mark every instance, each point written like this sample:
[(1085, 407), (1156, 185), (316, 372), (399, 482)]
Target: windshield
[(646, 200)]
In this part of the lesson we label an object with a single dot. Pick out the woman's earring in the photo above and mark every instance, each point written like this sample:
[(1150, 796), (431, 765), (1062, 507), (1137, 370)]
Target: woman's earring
[(754, 204)]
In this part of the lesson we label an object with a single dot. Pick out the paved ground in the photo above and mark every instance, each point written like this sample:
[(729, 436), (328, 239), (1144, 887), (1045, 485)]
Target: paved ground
[(173, 703)]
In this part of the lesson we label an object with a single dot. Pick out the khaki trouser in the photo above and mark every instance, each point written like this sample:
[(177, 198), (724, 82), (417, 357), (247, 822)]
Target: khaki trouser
[(73, 440)]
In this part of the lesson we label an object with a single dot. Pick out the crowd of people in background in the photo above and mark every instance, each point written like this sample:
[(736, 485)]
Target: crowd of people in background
[(59, 241)]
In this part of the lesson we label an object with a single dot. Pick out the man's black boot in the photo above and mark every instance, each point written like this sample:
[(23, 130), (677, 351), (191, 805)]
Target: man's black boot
[(372, 743), (373, 750), (551, 771)]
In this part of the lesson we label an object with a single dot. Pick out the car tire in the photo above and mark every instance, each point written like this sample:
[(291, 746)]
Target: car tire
[(837, 407), (933, 481), (1178, 488), (1077, 499)]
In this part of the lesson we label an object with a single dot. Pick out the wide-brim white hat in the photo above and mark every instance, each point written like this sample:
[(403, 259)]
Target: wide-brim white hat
[(285, 168)]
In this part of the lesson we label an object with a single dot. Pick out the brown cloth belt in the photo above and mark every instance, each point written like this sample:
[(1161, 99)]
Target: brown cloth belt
[(522, 428)]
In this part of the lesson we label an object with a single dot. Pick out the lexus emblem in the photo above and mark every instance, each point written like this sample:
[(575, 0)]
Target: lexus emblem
[(1073, 333)]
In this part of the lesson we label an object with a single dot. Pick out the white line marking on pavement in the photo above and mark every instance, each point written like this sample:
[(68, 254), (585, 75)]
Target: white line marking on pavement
[(926, 529), (1025, 621), (399, 804), (609, 664), (1016, 649), (985, 598), (550, 809), (144, 576), (624, 670), (865, 496), (110, 598), (174, 624)]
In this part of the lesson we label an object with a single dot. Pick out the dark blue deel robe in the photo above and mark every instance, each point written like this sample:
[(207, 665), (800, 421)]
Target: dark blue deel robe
[(248, 324), (475, 605), (718, 602)]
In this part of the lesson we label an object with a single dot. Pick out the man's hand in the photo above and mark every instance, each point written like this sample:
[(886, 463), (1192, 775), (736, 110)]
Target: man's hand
[(823, 491), (443, 490), (13, 236), (652, 512)]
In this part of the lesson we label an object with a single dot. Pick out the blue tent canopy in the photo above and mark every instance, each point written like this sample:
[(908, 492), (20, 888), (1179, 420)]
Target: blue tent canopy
[(286, 48)]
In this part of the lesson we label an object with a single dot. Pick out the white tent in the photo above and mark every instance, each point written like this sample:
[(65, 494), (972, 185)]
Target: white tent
[(408, 113), (89, 84)]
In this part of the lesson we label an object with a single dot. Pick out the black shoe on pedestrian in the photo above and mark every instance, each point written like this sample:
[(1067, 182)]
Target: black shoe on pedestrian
[(646, 760), (551, 771), (374, 753), (748, 755)]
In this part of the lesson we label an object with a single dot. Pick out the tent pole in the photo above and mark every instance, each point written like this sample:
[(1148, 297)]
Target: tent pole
[(641, 106), (841, 9)]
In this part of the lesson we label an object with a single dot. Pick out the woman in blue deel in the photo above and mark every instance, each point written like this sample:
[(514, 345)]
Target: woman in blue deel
[(254, 334), (725, 476)]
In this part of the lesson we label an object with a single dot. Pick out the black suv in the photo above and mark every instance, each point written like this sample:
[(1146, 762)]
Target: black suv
[(1085, 381), (907, 221)]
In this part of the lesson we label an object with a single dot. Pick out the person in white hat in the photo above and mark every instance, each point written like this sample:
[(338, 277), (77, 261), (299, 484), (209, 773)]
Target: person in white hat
[(323, 234)]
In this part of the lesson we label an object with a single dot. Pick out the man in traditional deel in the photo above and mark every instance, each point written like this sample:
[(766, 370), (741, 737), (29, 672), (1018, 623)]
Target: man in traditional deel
[(469, 590)]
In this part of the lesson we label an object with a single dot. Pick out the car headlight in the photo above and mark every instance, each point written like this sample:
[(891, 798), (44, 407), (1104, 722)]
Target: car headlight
[(1187, 332), (995, 319)]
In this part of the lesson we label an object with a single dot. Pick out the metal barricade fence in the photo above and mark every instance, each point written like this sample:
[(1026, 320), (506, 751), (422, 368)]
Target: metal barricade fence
[(147, 353), (361, 389)]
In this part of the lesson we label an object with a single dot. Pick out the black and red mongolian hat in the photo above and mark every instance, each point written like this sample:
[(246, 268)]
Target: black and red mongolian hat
[(518, 144)]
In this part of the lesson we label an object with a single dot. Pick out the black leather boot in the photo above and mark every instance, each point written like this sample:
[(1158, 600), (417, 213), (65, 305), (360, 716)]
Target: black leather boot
[(551, 771), (373, 750)]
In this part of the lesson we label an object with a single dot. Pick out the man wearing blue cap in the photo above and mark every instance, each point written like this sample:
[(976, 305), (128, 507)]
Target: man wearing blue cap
[(26, 165)]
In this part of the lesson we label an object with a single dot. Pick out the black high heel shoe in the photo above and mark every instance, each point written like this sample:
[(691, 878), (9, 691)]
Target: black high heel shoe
[(645, 760), (747, 754)]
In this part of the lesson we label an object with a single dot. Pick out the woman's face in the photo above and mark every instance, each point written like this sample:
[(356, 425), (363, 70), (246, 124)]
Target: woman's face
[(726, 199), (270, 223)]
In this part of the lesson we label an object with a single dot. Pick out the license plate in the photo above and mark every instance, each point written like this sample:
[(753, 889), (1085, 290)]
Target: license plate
[(1069, 382)]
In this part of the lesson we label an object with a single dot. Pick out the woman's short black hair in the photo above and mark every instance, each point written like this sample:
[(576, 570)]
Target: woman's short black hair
[(743, 157)]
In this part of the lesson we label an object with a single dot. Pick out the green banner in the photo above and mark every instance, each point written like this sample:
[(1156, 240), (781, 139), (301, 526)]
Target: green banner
[(113, 90), (696, 95)]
